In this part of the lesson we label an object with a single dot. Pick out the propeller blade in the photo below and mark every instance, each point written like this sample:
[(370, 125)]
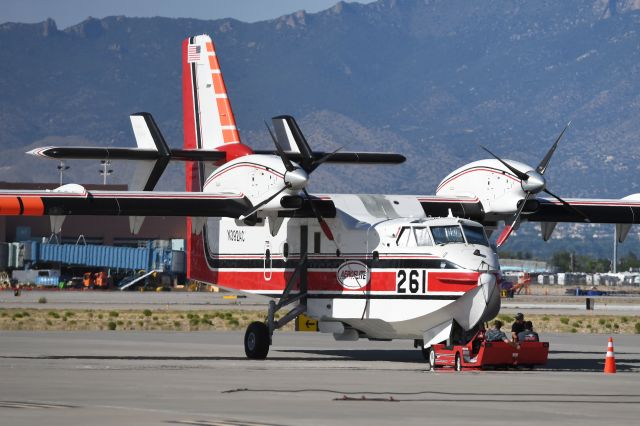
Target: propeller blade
[(323, 225), (326, 157), (521, 175), (512, 223), (262, 203), (542, 167), (569, 206), (287, 163)]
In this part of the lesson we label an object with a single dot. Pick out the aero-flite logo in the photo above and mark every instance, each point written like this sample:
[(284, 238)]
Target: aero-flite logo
[(353, 275)]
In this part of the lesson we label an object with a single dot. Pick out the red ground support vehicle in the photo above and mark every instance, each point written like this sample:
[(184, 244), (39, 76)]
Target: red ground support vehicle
[(478, 354)]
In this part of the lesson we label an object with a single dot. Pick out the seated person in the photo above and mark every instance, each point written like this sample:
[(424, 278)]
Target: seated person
[(495, 334), (517, 326), (528, 335)]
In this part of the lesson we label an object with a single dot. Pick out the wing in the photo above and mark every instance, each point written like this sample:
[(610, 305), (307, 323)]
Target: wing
[(122, 203), (596, 210)]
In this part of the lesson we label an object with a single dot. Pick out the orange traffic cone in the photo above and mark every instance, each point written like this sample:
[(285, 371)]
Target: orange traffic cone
[(610, 360)]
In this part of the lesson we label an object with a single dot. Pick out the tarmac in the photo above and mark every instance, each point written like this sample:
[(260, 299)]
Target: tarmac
[(203, 378), (182, 300)]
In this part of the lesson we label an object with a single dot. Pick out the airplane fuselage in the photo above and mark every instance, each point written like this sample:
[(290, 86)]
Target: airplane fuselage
[(382, 278)]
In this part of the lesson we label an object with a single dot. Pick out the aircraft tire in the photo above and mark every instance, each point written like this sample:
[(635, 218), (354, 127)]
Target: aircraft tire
[(257, 340), (458, 362)]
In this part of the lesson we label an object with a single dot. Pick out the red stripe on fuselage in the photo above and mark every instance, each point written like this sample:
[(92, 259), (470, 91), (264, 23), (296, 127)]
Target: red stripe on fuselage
[(326, 281)]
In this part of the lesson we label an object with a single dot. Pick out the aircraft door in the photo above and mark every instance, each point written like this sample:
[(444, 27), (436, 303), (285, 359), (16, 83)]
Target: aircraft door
[(267, 261)]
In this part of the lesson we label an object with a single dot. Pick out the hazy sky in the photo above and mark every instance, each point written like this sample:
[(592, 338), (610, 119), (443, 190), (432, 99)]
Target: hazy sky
[(70, 12)]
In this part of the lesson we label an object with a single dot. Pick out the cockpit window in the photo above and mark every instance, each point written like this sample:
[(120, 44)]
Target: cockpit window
[(405, 238), (414, 237), (423, 237), (475, 235), (447, 234)]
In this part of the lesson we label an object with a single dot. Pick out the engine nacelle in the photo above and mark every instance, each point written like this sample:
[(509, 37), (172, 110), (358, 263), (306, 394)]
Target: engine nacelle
[(257, 177), (497, 188)]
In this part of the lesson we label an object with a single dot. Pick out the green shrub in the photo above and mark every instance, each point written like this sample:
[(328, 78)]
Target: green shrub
[(17, 315), (99, 316), (177, 324), (638, 328), (616, 326), (602, 321), (564, 320), (147, 313), (607, 325), (49, 322), (42, 300), (69, 314), (112, 325), (64, 318), (573, 330), (90, 314), (588, 325), (114, 314), (140, 323), (120, 323), (155, 318), (54, 314), (576, 324), (624, 319), (4, 314)]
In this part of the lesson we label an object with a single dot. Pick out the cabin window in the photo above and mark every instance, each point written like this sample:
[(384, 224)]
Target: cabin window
[(423, 237), (475, 235), (406, 238), (285, 250), (447, 234), (316, 242)]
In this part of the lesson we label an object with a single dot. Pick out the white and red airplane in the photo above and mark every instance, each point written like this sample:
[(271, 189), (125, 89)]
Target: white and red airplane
[(364, 265)]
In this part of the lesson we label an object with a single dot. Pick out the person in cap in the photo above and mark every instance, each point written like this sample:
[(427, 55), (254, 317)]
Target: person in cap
[(517, 326), (495, 334), (528, 335)]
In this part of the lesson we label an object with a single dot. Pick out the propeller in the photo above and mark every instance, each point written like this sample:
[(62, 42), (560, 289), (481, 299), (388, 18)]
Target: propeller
[(297, 178), (532, 182)]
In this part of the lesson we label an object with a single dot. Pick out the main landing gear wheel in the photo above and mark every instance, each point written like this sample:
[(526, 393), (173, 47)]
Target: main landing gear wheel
[(458, 362), (257, 340)]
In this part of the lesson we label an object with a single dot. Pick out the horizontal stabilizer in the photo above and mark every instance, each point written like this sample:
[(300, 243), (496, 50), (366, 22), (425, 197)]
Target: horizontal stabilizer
[(346, 157), (297, 148)]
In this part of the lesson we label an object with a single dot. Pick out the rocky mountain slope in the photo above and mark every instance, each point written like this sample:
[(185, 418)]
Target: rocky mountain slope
[(430, 78)]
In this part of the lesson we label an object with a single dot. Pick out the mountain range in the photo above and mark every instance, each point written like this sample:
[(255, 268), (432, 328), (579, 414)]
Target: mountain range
[(432, 79)]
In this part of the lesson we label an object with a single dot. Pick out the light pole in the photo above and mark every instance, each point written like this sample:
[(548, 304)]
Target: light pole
[(62, 167), (105, 170)]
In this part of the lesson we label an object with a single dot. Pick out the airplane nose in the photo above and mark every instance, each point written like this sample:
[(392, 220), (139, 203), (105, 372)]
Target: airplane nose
[(296, 179)]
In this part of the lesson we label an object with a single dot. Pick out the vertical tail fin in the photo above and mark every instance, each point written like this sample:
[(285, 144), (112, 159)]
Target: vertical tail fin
[(209, 124)]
